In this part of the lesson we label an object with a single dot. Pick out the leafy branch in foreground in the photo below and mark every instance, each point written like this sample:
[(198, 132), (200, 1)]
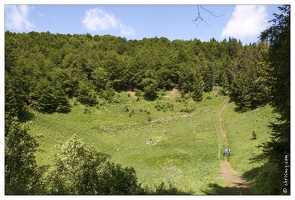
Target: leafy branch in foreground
[(81, 170), (22, 174)]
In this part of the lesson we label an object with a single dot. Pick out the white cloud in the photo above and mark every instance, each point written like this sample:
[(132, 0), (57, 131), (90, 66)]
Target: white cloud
[(99, 20), (246, 21), (16, 18), (126, 30)]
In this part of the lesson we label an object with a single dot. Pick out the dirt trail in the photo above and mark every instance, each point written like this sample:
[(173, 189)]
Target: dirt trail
[(236, 183), (220, 120)]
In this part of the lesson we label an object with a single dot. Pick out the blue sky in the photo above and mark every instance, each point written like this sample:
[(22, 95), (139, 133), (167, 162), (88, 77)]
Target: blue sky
[(173, 21)]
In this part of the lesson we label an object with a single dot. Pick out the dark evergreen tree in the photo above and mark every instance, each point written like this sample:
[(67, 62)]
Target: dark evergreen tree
[(278, 149), (190, 81), (248, 88), (208, 77)]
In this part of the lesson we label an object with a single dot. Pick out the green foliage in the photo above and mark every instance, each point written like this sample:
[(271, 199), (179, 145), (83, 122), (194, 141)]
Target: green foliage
[(48, 98), (14, 99), (100, 78), (86, 94), (254, 135), (165, 189), (14, 93), (208, 78), (248, 88), (187, 109), (81, 170), (75, 169), (278, 79), (190, 81), (22, 174), (118, 180), (107, 94), (149, 88), (138, 92), (105, 63), (167, 77), (164, 106)]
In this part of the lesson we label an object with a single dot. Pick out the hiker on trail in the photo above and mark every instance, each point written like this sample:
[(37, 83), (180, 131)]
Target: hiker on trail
[(229, 152), (225, 152)]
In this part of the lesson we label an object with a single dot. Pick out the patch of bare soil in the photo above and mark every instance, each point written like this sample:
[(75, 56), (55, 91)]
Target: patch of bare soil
[(131, 92), (173, 93), (237, 185)]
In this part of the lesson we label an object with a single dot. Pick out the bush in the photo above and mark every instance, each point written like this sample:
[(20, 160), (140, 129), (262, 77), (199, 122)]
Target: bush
[(80, 170), (107, 94), (164, 107), (254, 135), (22, 174), (138, 92), (186, 109)]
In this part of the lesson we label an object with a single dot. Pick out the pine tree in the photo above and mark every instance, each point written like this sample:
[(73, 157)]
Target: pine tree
[(190, 81), (278, 37)]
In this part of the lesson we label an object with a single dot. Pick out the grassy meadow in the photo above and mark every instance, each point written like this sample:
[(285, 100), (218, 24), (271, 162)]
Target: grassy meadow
[(246, 156), (185, 135)]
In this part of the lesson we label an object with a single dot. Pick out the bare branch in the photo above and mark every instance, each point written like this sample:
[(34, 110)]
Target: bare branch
[(199, 18), (211, 13)]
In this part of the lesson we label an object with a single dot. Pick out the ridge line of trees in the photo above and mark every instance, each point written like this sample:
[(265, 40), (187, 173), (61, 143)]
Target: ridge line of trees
[(44, 70)]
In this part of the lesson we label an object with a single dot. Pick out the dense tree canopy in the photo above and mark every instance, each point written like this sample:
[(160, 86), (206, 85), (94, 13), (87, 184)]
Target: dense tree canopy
[(47, 69)]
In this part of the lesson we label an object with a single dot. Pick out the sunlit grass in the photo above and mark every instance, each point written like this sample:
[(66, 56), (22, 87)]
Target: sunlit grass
[(192, 144), (239, 128)]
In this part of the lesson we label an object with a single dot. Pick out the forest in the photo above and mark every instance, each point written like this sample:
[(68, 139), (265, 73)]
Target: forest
[(44, 72)]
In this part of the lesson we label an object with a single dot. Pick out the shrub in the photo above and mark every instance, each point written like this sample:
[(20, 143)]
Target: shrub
[(107, 94), (254, 135), (22, 174), (80, 170), (138, 92), (186, 109), (164, 107)]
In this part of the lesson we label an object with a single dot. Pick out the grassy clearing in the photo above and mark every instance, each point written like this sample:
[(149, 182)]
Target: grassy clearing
[(191, 142), (239, 129)]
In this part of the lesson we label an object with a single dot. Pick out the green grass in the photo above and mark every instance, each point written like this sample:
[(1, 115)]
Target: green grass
[(193, 144), (239, 128)]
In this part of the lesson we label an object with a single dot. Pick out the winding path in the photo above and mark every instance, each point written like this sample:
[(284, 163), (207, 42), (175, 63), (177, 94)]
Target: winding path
[(236, 183)]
